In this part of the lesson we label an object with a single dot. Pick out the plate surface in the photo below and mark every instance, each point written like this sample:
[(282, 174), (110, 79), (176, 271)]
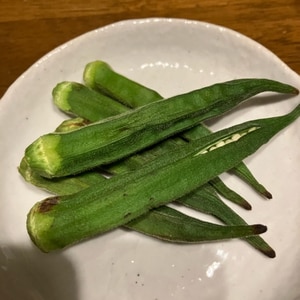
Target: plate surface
[(171, 56)]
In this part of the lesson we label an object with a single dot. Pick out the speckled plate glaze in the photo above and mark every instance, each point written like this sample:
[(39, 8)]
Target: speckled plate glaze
[(171, 56)]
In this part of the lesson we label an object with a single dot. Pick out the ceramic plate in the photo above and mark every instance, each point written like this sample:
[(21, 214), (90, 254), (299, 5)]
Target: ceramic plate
[(172, 56)]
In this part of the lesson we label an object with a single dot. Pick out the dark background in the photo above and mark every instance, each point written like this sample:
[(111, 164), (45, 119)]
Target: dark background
[(30, 29)]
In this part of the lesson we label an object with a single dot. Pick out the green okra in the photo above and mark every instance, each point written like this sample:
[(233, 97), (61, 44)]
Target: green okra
[(68, 185), (206, 200), (241, 170), (62, 154), (158, 224), (162, 223), (57, 222), (62, 95), (78, 98), (183, 228), (63, 185), (100, 76), (81, 96), (228, 193)]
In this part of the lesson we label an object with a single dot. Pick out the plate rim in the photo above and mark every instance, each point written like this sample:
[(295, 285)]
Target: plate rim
[(139, 21), (248, 42)]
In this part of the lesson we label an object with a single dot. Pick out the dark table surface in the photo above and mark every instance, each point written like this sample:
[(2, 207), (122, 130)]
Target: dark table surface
[(30, 28)]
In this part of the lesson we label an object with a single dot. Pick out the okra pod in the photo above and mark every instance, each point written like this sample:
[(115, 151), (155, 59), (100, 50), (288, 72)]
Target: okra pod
[(207, 201), (222, 189), (163, 223), (158, 224), (57, 222), (62, 185), (100, 76), (99, 104), (182, 228), (78, 98), (62, 154), (64, 93), (243, 172)]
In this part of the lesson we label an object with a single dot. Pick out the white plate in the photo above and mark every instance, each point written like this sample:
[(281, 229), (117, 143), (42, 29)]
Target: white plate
[(171, 56)]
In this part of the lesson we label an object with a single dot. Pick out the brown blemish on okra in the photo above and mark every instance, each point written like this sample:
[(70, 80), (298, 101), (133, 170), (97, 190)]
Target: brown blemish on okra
[(72, 124), (84, 122), (47, 205)]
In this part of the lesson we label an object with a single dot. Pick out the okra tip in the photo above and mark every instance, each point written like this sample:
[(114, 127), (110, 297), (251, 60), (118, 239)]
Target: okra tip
[(291, 89), (259, 228), (281, 87), (270, 253), (267, 194), (246, 205)]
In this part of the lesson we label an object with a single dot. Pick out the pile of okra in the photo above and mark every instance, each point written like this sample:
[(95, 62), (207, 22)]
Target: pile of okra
[(124, 153)]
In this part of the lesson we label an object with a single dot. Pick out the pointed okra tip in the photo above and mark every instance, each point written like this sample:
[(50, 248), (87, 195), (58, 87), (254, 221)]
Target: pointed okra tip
[(267, 194), (263, 247), (259, 228), (281, 87), (296, 91), (270, 253), (292, 89)]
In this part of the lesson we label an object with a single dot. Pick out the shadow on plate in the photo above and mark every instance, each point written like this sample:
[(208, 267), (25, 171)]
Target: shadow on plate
[(28, 274)]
